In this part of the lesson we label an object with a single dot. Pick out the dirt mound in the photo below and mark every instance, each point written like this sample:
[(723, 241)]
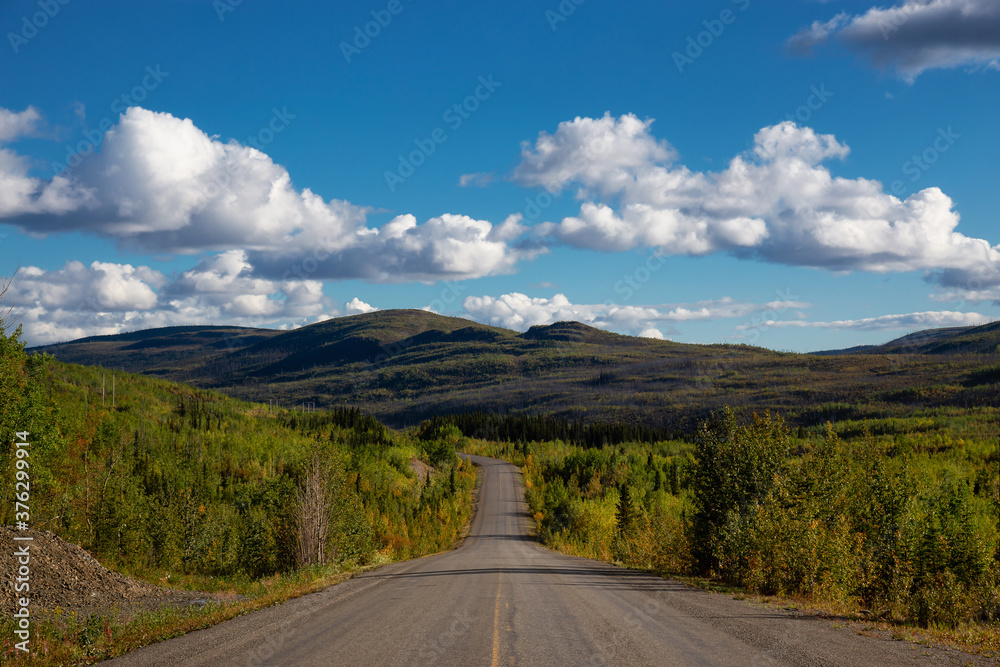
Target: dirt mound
[(66, 576)]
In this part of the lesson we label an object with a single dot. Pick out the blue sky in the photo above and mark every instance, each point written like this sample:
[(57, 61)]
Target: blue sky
[(799, 175)]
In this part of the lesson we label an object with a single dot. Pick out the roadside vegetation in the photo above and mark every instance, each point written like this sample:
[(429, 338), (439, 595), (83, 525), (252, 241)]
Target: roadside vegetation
[(186, 487), (891, 520)]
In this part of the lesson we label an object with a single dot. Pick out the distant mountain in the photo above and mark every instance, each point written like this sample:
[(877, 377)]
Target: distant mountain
[(405, 365), (163, 351), (983, 339)]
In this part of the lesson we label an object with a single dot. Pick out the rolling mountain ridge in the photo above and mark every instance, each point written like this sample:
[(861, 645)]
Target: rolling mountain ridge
[(984, 339), (405, 365)]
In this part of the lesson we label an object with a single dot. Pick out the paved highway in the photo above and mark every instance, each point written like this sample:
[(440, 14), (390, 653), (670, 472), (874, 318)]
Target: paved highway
[(501, 599)]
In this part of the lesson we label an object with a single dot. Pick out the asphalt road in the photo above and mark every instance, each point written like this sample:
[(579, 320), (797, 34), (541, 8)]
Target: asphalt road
[(501, 599)]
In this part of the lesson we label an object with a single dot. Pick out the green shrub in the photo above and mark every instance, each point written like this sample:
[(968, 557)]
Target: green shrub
[(735, 467)]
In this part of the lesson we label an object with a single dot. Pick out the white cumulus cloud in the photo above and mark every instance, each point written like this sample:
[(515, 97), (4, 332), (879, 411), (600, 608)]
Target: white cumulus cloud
[(160, 184), (356, 306), (14, 124), (776, 202), (106, 298)]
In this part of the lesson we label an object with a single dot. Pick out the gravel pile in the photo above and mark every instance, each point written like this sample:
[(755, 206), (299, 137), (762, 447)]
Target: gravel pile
[(66, 576)]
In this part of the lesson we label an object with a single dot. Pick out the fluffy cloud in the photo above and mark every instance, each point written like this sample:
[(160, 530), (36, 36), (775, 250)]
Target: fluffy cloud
[(602, 152), (106, 298), (915, 35), (100, 287), (160, 184), (225, 286), (519, 312), (445, 247), (18, 124), (22, 194), (923, 320), (777, 202), (80, 300), (356, 306), (651, 333)]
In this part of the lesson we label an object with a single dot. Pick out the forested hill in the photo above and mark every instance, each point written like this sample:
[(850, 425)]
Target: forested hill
[(406, 365), (154, 476)]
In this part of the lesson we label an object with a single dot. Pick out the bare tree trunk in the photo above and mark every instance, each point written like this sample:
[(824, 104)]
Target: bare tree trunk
[(6, 321), (312, 512)]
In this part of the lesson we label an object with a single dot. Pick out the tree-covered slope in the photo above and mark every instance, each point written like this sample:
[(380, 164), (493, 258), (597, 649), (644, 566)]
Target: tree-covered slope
[(153, 475)]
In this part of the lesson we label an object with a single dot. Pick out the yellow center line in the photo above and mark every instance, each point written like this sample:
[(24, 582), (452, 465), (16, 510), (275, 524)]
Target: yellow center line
[(496, 606), (496, 623)]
